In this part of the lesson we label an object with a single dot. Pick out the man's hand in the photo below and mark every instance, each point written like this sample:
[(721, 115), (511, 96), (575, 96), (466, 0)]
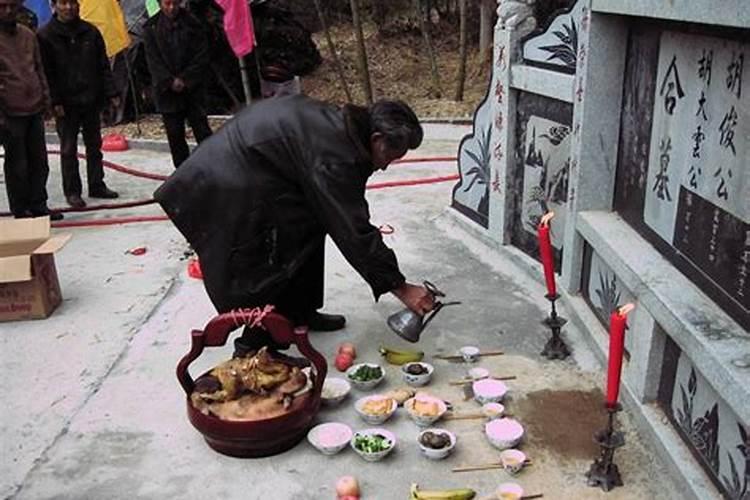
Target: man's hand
[(58, 110), (415, 297), (178, 85), (114, 102)]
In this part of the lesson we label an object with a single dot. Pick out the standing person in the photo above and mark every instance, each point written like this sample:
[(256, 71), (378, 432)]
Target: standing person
[(81, 83), (177, 56), (257, 201), (24, 97)]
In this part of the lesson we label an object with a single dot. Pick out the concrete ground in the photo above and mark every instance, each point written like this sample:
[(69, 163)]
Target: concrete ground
[(92, 408)]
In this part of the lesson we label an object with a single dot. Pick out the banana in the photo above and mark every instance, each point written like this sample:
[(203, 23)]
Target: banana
[(454, 494), (400, 357)]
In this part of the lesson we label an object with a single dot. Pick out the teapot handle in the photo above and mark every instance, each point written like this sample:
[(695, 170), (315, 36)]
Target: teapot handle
[(282, 330)]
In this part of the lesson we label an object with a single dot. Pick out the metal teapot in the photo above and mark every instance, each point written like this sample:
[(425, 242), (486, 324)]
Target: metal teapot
[(409, 325)]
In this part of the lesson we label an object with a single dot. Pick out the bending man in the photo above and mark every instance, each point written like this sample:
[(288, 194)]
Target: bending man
[(257, 199)]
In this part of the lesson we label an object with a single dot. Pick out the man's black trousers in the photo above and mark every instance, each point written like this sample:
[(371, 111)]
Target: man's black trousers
[(26, 168), (297, 302), (87, 121), (174, 123)]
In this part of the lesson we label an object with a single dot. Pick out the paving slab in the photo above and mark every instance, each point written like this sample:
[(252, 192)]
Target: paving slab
[(94, 410)]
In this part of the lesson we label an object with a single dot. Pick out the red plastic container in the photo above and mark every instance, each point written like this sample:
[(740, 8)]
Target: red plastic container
[(258, 438)]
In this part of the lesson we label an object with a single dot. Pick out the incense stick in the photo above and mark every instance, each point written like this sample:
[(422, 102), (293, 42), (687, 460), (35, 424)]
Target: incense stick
[(450, 357), (470, 380)]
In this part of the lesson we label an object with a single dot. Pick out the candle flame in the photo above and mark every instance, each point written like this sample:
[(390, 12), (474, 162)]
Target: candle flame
[(624, 310), (546, 218)]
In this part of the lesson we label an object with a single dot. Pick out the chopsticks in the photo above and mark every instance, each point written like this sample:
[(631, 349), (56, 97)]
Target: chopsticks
[(466, 416), (470, 380), (495, 465), (453, 357)]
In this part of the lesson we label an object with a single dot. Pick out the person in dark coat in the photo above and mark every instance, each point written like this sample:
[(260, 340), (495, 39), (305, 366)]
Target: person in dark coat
[(81, 85), (24, 98), (257, 199), (177, 56)]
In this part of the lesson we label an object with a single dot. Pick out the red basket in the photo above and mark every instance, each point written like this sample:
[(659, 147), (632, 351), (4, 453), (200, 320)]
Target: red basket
[(258, 438)]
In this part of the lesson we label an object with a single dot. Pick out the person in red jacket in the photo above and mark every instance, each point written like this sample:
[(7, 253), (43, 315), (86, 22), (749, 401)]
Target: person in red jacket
[(24, 97)]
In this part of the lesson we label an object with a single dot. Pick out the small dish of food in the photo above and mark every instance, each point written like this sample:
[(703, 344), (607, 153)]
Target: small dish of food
[(509, 491), (417, 374), (334, 390), (375, 409), (373, 444), (513, 460), (330, 438), (425, 409), (436, 444), (365, 376), (493, 410), (489, 390), (478, 373), (469, 353)]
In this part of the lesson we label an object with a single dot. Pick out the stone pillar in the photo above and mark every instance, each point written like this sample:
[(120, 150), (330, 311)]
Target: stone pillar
[(596, 127)]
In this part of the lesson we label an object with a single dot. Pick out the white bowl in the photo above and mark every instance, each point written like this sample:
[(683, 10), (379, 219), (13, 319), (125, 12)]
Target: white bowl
[(509, 491), (417, 380), (469, 353), (425, 420), (364, 385), (493, 410), (330, 438), (374, 419), (335, 390), (478, 373), (513, 460), (489, 390), (374, 457), (432, 453), (503, 433)]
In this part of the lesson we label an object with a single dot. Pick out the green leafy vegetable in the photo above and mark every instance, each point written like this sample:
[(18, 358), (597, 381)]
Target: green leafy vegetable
[(366, 373), (372, 444)]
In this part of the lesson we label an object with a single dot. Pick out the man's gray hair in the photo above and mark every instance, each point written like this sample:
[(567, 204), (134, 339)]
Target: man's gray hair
[(398, 123)]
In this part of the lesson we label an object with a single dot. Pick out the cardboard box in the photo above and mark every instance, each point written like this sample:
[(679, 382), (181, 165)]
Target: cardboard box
[(29, 288)]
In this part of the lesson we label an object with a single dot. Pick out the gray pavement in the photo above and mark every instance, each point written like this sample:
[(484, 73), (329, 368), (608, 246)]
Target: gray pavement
[(92, 408)]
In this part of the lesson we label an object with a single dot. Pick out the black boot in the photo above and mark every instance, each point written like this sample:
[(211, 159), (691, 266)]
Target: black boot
[(322, 322)]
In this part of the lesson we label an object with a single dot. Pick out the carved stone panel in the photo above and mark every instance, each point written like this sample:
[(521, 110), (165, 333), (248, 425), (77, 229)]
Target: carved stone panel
[(556, 48), (712, 431)]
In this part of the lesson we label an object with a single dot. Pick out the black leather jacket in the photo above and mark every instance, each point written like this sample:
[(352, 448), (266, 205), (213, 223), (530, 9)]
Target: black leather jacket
[(257, 197)]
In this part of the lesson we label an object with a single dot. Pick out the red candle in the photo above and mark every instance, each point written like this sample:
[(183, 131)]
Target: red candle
[(545, 252), (617, 324)]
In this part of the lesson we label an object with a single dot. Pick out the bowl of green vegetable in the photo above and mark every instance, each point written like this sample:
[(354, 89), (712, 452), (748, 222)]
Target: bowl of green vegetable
[(365, 376), (373, 444)]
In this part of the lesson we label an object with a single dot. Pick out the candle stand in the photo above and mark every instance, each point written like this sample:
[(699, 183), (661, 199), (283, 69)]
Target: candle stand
[(555, 347), (603, 472)]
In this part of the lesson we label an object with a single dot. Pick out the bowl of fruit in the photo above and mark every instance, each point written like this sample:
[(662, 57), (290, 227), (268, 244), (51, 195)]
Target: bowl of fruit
[(436, 444), (373, 444), (417, 374), (365, 376)]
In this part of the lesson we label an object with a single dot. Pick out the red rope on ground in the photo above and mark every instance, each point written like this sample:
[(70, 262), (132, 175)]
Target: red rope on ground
[(110, 222)]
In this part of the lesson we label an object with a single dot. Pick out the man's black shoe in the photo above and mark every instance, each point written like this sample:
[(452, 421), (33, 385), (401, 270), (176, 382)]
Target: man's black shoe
[(322, 322), (44, 212), (105, 193), (75, 201), (24, 214)]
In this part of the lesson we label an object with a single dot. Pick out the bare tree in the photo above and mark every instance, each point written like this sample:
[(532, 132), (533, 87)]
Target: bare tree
[(332, 48), (486, 11), (424, 20), (362, 52), (462, 55)]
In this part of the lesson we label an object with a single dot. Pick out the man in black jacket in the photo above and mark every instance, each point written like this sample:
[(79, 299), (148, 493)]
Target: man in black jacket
[(258, 198), (177, 57), (81, 83)]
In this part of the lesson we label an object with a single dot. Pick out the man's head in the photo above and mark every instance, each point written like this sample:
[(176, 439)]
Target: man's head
[(9, 10), (170, 8), (395, 130), (66, 10)]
